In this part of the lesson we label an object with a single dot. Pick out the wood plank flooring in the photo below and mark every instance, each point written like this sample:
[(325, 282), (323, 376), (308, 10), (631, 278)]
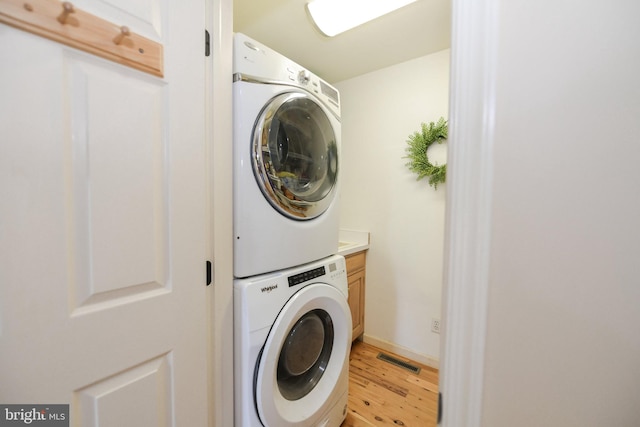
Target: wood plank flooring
[(383, 394)]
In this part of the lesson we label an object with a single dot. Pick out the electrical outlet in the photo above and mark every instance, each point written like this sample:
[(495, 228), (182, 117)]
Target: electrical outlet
[(435, 326)]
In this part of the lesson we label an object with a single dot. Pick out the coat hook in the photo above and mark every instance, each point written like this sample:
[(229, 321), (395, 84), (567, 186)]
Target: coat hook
[(124, 32), (67, 9)]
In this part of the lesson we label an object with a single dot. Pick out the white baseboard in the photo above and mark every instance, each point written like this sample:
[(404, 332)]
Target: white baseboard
[(401, 351)]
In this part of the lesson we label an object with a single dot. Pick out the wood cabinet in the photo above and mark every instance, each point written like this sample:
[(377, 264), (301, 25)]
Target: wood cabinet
[(356, 277)]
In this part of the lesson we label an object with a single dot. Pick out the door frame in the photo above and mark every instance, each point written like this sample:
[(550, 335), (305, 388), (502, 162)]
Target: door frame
[(219, 132), (474, 44), (475, 26)]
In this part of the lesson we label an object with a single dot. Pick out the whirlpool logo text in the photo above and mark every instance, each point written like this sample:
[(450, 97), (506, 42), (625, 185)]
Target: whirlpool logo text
[(269, 288)]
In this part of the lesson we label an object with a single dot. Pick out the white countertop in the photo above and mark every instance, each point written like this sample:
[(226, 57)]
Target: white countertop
[(352, 241)]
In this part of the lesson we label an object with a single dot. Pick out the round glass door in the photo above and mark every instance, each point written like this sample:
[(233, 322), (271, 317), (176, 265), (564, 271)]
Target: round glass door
[(305, 358), (305, 354), (295, 156)]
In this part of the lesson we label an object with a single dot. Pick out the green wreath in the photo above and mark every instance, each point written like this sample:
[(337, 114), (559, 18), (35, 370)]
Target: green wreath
[(418, 144)]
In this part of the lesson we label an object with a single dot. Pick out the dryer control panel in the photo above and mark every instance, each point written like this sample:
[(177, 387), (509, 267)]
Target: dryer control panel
[(255, 61)]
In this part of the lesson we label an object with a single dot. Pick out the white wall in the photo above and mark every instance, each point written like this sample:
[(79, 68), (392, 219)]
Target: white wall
[(564, 304), (379, 194), (563, 341)]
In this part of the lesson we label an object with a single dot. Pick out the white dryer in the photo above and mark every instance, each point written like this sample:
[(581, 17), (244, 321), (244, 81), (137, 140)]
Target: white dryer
[(286, 138), (292, 339)]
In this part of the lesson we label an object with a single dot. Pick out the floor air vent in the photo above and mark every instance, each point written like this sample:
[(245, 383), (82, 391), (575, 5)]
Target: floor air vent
[(398, 362)]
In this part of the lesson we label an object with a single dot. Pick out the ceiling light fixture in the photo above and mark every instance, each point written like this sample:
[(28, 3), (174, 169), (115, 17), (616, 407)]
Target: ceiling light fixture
[(333, 17)]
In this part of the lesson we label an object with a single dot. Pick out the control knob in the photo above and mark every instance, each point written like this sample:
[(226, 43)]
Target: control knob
[(303, 77)]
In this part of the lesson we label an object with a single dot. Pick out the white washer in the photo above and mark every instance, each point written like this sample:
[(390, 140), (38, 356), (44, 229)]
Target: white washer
[(286, 138), (292, 338)]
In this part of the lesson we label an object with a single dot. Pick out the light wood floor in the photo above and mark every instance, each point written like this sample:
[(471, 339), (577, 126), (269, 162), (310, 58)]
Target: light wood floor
[(382, 394)]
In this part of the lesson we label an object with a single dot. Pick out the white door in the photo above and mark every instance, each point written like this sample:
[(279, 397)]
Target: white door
[(102, 224)]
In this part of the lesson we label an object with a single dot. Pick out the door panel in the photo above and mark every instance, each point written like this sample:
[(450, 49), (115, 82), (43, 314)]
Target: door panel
[(102, 401), (102, 225), (120, 249)]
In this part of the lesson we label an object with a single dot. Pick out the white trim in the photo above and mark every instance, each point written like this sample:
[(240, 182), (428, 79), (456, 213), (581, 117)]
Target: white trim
[(401, 351), (219, 19), (468, 217)]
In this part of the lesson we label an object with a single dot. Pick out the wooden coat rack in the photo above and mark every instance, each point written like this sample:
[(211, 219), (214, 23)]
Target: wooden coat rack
[(63, 23)]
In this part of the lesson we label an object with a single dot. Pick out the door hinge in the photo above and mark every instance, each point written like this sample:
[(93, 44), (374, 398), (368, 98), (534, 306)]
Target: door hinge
[(209, 272), (439, 408), (207, 43)]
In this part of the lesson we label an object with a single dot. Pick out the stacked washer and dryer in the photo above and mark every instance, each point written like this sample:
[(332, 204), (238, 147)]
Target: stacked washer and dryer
[(292, 322)]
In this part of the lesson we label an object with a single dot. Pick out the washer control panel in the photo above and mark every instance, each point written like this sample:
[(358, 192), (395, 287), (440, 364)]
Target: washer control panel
[(334, 270), (305, 276)]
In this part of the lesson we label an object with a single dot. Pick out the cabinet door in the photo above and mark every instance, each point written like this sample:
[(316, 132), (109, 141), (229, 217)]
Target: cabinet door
[(356, 302)]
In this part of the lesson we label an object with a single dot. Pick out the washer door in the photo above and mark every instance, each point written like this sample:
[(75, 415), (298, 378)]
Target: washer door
[(304, 358), (295, 155)]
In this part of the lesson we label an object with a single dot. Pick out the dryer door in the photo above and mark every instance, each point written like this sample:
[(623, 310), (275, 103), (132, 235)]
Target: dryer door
[(305, 360), (295, 155)]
